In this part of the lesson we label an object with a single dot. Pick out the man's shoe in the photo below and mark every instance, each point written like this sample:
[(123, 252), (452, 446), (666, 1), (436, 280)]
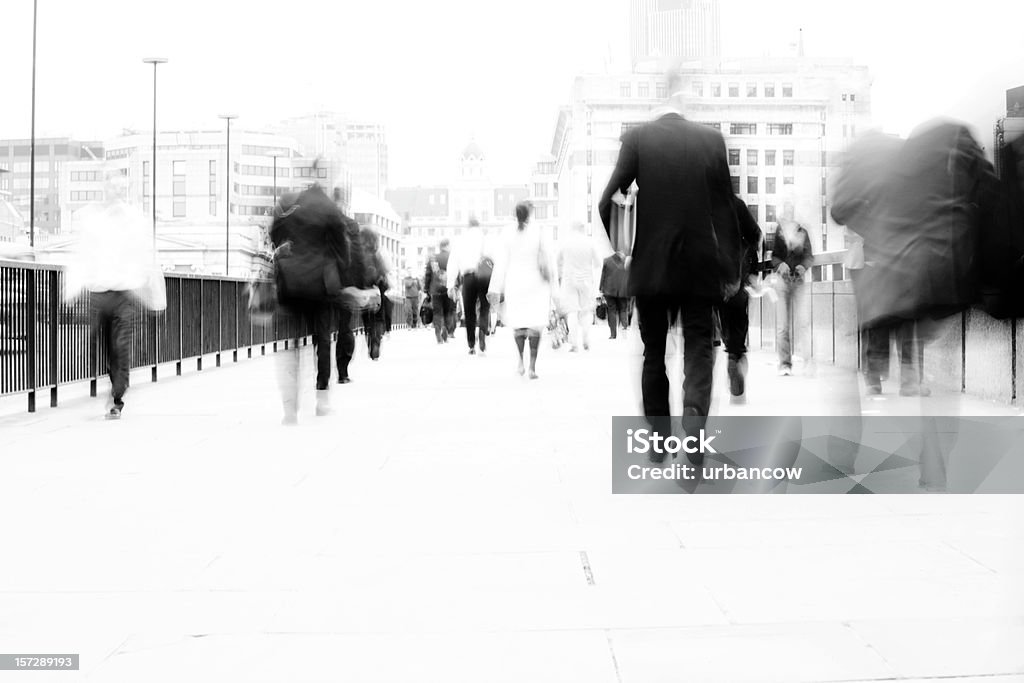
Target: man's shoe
[(344, 380), (737, 369), (113, 414), (472, 352), (785, 370)]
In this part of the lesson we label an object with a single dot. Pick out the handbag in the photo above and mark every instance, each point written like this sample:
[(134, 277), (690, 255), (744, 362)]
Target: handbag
[(426, 313), (262, 298), (601, 311)]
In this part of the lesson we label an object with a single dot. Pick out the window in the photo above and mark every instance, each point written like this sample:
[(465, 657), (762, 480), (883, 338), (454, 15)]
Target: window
[(213, 167), (145, 169), (787, 89), (769, 185), (844, 97), (824, 190), (751, 89), (213, 187), (751, 157), (844, 130), (716, 89), (698, 89), (769, 214), (145, 208), (780, 129), (824, 215), (769, 90), (213, 207), (179, 188), (787, 180), (751, 184), (734, 90), (734, 157), (660, 91), (541, 189), (321, 173), (787, 157), (743, 129), (624, 90), (178, 168), (643, 90), (853, 97), (735, 184), (769, 157), (753, 208), (179, 209)]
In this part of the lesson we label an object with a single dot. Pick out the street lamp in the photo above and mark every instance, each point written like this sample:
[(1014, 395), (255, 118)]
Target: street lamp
[(227, 198), (275, 156), (32, 148), (154, 61)]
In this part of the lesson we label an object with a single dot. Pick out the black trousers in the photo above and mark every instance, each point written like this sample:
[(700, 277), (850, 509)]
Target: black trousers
[(113, 314), (444, 315), (618, 313), (375, 324), (346, 340), (412, 311), (735, 320), (474, 291), (698, 358), (319, 319)]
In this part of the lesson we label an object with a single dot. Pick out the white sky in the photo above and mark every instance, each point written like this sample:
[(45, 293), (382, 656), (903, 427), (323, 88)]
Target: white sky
[(436, 73)]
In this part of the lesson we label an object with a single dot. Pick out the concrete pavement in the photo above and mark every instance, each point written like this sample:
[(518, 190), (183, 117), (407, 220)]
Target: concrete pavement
[(453, 522)]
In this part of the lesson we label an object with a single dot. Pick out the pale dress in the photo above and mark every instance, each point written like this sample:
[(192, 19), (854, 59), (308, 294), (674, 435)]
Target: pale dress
[(517, 275)]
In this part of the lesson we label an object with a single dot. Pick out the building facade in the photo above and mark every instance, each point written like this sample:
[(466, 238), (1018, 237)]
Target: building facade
[(784, 121), (51, 155), (359, 146), (373, 212), (674, 29), (430, 214), (195, 208)]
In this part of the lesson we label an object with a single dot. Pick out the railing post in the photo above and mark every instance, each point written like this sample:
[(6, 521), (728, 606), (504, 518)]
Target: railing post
[(234, 302), (156, 343), (30, 336), (220, 319), (199, 360), (54, 313), (181, 327)]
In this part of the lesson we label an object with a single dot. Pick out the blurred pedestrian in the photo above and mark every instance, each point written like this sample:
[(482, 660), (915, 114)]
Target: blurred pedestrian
[(379, 275), (435, 282), (347, 311), (311, 254), (578, 259), (682, 260), (733, 314), (615, 292), (114, 261), (412, 289), (792, 255), (524, 271), (470, 262)]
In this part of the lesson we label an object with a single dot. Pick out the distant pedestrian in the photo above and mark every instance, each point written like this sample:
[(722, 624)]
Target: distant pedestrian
[(475, 267), (578, 260), (114, 262), (792, 255), (615, 292), (524, 271), (412, 289), (380, 276), (435, 283)]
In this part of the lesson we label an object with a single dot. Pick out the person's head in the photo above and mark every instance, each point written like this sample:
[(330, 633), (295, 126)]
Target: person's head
[(674, 84), (445, 244), (523, 211), (787, 211), (474, 223), (369, 237)]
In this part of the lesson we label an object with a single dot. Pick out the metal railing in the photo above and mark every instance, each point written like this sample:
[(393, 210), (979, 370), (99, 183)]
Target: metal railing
[(46, 342)]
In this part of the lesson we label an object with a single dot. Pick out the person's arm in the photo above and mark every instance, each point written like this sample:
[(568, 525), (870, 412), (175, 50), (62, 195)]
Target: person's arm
[(622, 177), (807, 258), (453, 268)]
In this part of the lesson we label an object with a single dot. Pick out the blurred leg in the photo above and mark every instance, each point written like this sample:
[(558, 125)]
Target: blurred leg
[(654, 383)]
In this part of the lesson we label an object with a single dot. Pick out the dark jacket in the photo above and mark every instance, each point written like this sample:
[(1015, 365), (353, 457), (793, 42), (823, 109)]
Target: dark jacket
[(315, 249), (614, 277), (437, 283), (750, 233), (687, 238), (800, 254)]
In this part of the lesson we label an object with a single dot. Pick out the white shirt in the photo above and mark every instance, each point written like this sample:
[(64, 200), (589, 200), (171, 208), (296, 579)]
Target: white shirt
[(466, 254), (114, 250)]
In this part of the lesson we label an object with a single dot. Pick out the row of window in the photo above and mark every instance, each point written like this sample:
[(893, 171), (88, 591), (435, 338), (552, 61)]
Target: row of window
[(643, 90), (268, 171), (310, 173), (788, 157), (86, 195), (85, 176), (752, 184)]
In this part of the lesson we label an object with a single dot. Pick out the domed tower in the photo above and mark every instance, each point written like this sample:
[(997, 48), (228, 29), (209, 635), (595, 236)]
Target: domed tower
[(472, 163)]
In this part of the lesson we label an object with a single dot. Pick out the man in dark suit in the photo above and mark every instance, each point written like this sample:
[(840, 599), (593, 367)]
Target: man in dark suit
[(687, 253)]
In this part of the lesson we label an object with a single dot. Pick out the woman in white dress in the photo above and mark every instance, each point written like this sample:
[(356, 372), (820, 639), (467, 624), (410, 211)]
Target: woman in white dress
[(524, 269)]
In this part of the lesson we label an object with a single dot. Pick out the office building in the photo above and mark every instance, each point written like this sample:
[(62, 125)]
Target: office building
[(674, 29)]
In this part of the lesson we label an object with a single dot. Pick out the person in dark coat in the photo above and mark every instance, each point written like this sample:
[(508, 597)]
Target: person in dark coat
[(792, 256), (311, 253), (733, 314), (614, 288), (435, 282), (347, 314), (687, 252)]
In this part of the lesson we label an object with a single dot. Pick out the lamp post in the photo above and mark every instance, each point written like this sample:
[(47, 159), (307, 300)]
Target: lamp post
[(32, 146), (275, 156), (154, 61), (227, 197)]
